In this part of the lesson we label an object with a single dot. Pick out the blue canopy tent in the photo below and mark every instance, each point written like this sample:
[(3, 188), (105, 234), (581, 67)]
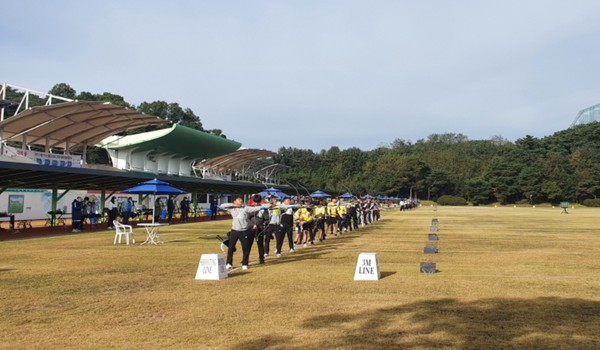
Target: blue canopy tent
[(368, 196), (318, 194), (346, 195), (273, 192), (154, 187)]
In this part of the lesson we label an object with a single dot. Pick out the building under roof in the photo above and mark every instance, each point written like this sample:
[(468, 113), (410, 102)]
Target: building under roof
[(166, 154), (22, 175), (71, 124), (167, 151), (247, 164)]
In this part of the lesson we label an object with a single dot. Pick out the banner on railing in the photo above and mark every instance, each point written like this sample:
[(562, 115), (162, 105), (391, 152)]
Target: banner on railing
[(42, 158)]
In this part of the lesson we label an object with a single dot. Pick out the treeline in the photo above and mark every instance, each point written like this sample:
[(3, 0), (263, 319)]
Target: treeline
[(561, 167)]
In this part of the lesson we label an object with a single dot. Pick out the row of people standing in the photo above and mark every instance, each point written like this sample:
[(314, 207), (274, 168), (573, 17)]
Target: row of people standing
[(265, 219), (83, 209), (316, 220), (128, 210), (184, 207)]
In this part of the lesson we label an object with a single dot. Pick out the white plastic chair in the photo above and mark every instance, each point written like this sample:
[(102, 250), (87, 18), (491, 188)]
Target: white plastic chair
[(123, 230)]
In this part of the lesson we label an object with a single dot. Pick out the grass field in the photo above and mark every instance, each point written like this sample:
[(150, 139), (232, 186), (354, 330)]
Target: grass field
[(508, 278)]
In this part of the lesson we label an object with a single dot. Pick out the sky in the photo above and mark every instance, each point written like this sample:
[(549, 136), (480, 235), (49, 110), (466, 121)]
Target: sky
[(316, 74)]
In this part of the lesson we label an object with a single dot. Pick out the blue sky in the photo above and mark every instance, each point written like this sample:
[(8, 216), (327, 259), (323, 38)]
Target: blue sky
[(316, 74)]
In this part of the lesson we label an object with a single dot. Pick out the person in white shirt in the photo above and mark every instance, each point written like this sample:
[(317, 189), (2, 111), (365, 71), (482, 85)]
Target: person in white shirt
[(113, 212)]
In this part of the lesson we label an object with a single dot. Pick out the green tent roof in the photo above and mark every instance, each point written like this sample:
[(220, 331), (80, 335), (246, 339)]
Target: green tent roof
[(179, 141)]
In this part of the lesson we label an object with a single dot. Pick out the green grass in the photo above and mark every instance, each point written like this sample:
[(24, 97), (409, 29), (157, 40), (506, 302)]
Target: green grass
[(508, 278)]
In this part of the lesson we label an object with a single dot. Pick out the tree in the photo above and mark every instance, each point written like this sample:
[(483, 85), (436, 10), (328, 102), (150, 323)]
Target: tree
[(63, 90), (502, 177), (586, 162), (560, 173), (117, 100), (438, 183), (552, 190), (530, 181), (392, 172), (478, 191), (173, 113)]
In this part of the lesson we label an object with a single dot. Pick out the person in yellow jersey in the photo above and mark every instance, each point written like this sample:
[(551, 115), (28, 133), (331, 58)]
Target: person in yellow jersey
[(343, 212), (304, 220), (333, 217), (319, 212)]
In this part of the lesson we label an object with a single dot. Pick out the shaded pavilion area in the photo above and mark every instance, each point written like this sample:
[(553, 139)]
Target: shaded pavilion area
[(65, 126)]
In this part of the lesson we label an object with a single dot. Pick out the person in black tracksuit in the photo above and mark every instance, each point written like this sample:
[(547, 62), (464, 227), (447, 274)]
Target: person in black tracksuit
[(170, 209), (353, 217), (287, 226), (258, 220), (184, 205), (77, 215), (240, 229), (273, 224), (113, 212)]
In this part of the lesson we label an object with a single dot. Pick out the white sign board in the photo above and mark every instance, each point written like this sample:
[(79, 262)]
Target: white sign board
[(211, 267), (46, 159), (367, 267)]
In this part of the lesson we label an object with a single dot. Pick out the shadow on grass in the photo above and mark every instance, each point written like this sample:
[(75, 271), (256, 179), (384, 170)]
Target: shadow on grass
[(541, 323), (385, 274), (311, 252), (178, 240)]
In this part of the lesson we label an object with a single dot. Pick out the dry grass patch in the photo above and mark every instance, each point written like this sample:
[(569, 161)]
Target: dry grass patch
[(509, 278)]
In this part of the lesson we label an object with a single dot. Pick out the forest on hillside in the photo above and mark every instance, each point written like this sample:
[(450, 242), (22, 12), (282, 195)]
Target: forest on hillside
[(562, 167)]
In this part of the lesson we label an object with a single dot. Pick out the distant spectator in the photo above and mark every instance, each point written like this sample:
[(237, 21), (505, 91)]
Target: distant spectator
[(113, 212), (86, 208), (157, 209), (128, 210), (184, 205), (76, 214), (214, 207), (170, 209)]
